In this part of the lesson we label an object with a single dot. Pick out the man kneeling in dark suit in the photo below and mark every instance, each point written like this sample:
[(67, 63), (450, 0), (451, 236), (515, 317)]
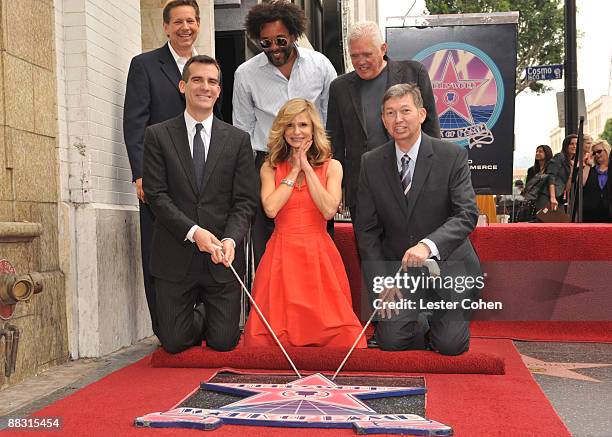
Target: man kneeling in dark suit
[(199, 178), (415, 201)]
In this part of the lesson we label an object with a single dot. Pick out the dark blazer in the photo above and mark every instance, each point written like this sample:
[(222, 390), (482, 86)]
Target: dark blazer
[(346, 125), (224, 205), (531, 172), (595, 200), (558, 172), (609, 184), (441, 205), (151, 96)]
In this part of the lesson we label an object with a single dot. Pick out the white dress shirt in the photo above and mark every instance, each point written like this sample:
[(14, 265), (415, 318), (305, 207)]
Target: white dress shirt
[(413, 153), (180, 61), (190, 123), (260, 90)]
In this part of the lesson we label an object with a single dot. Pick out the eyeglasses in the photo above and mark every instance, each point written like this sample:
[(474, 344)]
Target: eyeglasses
[(597, 152), (279, 40)]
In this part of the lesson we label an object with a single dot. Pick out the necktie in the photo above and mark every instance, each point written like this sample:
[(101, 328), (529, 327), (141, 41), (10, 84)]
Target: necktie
[(405, 175), (198, 154)]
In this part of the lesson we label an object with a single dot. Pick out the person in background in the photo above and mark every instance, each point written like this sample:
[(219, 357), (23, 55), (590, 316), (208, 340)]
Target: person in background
[(543, 155), (560, 170), (265, 82), (354, 118), (596, 198), (536, 192), (587, 158), (517, 191)]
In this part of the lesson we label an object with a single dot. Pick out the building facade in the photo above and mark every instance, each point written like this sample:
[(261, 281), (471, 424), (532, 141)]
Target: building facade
[(68, 208), (598, 112)]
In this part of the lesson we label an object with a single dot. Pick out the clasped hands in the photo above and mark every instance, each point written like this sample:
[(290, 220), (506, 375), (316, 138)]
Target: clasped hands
[(298, 158), (220, 251), (414, 257)]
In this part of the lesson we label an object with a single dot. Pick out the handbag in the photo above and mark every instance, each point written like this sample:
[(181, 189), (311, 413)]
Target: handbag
[(548, 215)]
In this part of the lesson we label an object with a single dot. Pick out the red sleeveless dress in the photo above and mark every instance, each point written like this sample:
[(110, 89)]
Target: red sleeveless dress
[(301, 285)]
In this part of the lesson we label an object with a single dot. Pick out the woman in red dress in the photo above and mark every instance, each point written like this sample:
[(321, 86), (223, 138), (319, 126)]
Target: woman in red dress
[(301, 285)]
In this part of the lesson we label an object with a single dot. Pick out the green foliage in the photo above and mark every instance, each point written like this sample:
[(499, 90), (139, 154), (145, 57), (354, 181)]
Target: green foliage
[(607, 133), (540, 31)]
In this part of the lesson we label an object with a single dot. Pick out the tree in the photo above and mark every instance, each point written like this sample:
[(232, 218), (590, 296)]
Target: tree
[(540, 31), (607, 133)]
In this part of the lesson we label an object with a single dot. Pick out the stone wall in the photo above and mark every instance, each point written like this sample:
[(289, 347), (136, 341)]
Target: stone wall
[(106, 307), (29, 180), (63, 164)]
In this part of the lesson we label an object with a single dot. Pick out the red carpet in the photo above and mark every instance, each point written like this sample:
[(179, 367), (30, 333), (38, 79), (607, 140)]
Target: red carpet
[(543, 242), (474, 405), (585, 332), (328, 359), (547, 276)]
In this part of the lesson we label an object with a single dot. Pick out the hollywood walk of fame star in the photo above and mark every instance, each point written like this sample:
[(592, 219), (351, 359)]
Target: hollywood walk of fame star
[(451, 92), (311, 401), (314, 392), (561, 370)]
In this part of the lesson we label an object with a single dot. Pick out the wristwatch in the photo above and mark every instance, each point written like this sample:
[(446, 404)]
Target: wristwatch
[(288, 182)]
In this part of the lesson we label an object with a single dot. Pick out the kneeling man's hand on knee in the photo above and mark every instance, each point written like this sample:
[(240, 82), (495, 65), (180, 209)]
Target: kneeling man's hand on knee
[(387, 296)]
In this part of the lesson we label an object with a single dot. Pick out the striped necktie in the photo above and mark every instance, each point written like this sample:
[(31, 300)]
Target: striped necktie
[(405, 175)]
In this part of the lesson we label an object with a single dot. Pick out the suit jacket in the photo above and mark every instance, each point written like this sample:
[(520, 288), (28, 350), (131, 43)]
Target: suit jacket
[(224, 205), (531, 172), (441, 205), (152, 95), (558, 172), (596, 200), (346, 125)]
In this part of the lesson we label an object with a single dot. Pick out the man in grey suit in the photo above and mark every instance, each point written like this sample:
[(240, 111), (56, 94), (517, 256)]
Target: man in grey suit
[(353, 113), (415, 201), (199, 179)]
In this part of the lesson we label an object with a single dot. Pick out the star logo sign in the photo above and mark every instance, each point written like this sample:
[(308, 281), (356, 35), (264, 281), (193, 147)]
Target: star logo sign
[(311, 401), (451, 93), (314, 393)]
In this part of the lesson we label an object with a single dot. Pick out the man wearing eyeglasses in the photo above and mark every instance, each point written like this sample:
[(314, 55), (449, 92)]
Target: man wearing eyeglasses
[(262, 84), (152, 95)]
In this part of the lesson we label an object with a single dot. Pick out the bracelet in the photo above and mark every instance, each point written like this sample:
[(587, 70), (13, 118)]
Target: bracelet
[(288, 182)]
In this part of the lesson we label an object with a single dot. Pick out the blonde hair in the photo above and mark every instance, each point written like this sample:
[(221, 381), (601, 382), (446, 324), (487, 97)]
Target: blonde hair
[(278, 149), (365, 29), (603, 143)]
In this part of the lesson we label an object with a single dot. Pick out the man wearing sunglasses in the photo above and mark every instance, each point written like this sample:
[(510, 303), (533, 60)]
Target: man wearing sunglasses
[(264, 83)]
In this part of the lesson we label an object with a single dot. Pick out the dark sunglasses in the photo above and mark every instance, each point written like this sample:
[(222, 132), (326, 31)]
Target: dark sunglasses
[(597, 152), (279, 40)]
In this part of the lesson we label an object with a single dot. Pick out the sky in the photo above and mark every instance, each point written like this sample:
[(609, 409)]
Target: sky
[(536, 115)]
